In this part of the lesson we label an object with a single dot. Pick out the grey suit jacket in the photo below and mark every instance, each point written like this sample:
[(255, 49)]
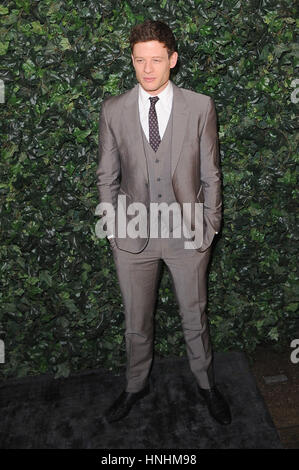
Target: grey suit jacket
[(195, 171)]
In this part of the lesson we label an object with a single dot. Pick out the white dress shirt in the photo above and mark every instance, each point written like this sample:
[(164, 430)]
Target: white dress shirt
[(163, 108)]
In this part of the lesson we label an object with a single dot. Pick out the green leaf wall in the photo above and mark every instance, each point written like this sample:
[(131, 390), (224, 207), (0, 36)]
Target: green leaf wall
[(61, 307)]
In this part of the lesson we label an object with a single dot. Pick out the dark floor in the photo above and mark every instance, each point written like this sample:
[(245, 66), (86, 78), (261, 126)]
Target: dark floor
[(40, 412), (282, 398)]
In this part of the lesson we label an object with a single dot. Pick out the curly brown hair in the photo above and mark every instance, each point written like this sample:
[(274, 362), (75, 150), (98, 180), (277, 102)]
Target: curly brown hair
[(151, 30)]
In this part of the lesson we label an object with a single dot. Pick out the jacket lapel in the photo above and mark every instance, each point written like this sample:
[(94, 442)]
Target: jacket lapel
[(180, 119), (133, 129)]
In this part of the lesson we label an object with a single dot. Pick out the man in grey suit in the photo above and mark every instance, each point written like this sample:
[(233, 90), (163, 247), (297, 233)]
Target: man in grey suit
[(158, 144)]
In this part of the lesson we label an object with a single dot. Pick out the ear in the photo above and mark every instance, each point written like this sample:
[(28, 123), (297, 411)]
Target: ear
[(173, 59)]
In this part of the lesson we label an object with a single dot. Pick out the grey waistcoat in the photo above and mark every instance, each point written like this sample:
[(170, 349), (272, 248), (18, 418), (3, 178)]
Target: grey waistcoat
[(159, 172)]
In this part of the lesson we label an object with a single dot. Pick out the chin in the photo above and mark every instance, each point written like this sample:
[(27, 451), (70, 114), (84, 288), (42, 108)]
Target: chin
[(149, 86)]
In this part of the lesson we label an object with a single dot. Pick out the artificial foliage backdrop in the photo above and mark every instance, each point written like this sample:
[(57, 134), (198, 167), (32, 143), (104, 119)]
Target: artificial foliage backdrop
[(61, 307)]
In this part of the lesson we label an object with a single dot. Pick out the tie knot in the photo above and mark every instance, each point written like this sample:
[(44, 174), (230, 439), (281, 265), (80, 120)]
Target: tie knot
[(153, 100)]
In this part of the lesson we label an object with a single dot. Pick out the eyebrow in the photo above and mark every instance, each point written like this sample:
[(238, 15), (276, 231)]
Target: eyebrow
[(153, 57)]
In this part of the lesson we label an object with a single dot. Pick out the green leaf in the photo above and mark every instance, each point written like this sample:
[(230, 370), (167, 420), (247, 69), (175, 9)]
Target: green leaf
[(3, 10), (45, 276), (65, 44), (3, 47)]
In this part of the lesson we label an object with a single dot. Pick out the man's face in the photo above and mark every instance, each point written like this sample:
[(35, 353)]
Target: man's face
[(152, 65)]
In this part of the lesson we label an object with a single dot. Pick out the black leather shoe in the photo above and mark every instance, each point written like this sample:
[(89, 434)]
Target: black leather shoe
[(217, 405), (123, 404)]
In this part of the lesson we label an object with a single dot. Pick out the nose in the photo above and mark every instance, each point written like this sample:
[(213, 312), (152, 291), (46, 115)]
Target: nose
[(147, 67)]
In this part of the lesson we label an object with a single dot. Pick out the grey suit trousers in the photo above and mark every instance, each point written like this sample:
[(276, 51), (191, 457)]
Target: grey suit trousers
[(138, 275)]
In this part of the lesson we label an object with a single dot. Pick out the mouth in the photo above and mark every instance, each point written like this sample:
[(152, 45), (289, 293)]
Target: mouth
[(147, 79)]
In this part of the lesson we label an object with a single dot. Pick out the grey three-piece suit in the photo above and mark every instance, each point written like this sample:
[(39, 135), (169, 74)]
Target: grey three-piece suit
[(185, 168)]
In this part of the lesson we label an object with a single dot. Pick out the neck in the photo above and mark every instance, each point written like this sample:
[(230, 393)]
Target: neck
[(156, 92)]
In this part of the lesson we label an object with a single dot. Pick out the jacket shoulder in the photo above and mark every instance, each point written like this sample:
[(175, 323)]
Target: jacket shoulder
[(110, 102), (192, 96)]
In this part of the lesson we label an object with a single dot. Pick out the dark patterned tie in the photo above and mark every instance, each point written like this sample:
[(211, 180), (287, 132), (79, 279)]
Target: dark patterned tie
[(154, 136)]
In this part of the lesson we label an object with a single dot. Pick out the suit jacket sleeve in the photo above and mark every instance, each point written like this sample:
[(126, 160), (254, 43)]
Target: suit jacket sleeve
[(210, 175), (108, 171)]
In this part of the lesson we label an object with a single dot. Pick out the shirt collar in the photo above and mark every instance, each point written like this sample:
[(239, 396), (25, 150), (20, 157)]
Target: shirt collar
[(165, 95)]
